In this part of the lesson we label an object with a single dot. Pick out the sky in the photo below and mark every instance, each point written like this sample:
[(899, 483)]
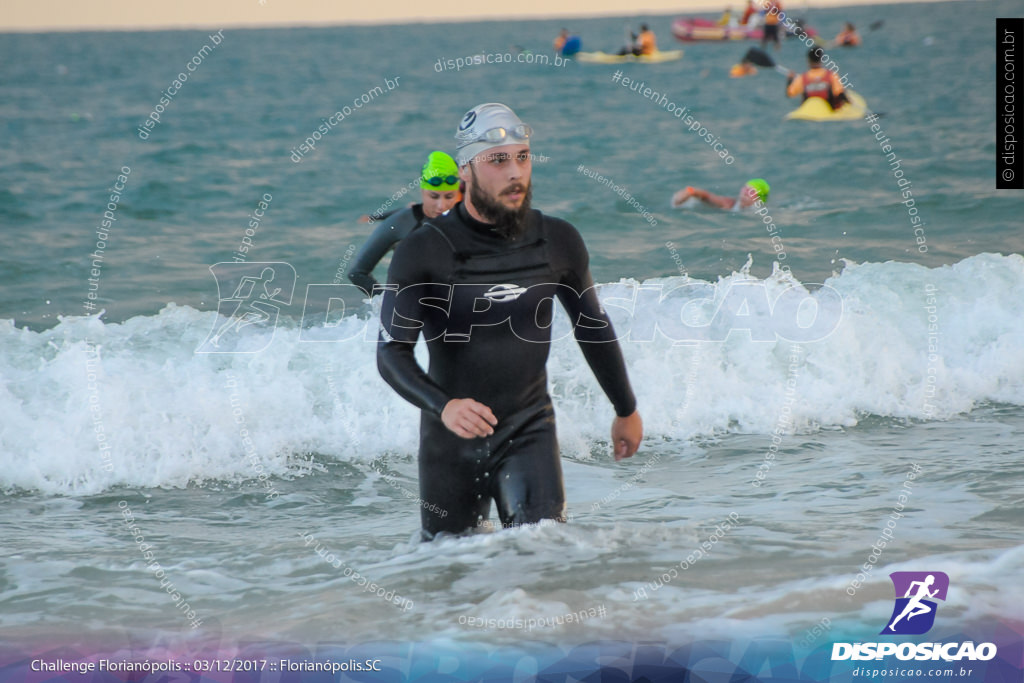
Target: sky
[(45, 15)]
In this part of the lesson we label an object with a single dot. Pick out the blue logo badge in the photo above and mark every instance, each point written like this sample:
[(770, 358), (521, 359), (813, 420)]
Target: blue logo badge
[(914, 612)]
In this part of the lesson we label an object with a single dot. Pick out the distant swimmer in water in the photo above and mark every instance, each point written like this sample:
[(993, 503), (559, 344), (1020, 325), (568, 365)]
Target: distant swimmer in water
[(817, 82), (479, 283), (848, 37), (567, 44), (439, 191), (753, 193)]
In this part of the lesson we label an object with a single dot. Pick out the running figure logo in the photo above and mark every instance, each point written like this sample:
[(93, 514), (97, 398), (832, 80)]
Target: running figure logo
[(257, 290), (914, 613)]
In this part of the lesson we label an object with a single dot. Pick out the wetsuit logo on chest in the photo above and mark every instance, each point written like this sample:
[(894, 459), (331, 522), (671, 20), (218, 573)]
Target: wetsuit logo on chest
[(502, 293)]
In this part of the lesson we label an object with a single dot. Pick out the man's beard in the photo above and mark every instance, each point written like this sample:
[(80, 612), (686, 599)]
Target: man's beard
[(509, 223)]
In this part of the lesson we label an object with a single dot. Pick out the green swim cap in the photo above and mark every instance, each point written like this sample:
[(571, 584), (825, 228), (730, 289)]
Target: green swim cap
[(761, 186), (440, 173)]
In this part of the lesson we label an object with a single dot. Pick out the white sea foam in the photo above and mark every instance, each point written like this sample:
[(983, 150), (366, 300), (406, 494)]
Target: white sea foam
[(170, 419)]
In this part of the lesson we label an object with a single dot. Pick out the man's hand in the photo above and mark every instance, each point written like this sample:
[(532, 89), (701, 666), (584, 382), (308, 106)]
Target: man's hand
[(468, 418), (627, 433)]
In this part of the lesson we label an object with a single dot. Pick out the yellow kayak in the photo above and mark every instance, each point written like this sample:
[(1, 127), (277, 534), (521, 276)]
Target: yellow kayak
[(817, 109), (606, 58)]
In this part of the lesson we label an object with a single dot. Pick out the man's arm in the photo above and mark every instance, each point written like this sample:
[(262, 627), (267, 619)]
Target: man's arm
[(596, 336), (401, 316)]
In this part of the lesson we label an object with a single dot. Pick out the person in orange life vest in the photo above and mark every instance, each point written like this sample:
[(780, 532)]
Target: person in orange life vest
[(848, 37), (817, 82), (646, 42), (773, 9), (560, 40), (567, 44)]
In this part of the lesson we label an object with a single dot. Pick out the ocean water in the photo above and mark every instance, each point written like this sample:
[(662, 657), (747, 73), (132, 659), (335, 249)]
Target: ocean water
[(164, 502)]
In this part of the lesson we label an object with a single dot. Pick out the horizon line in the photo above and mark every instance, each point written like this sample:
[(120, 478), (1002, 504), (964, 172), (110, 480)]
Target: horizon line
[(701, 7)]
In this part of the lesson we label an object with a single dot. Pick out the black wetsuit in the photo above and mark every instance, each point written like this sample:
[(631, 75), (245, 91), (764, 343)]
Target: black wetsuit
[(484, 304), (384, 237)]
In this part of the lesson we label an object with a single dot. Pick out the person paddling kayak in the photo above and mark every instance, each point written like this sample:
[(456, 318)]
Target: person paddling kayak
[(817, 82)]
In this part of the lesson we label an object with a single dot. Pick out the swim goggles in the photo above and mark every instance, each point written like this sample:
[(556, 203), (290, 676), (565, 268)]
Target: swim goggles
[(499, 134), (438, 181)]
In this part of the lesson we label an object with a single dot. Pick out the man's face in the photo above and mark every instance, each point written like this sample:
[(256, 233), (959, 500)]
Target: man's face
[(501, 174), (498, 188)]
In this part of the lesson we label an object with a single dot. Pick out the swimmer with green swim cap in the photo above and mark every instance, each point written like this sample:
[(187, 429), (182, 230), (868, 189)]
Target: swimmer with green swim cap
[(440, 173), (439, 184), (753, 193), (760, 187), (439, 191)]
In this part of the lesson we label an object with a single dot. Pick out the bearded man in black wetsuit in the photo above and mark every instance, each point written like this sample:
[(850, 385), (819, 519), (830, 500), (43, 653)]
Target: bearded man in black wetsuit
[(479, 284)]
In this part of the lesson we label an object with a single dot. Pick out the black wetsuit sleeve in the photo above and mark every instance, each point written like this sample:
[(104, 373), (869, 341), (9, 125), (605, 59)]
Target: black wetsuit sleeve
[(400, 317), (384, 216), (591, 326), (381, 240)]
